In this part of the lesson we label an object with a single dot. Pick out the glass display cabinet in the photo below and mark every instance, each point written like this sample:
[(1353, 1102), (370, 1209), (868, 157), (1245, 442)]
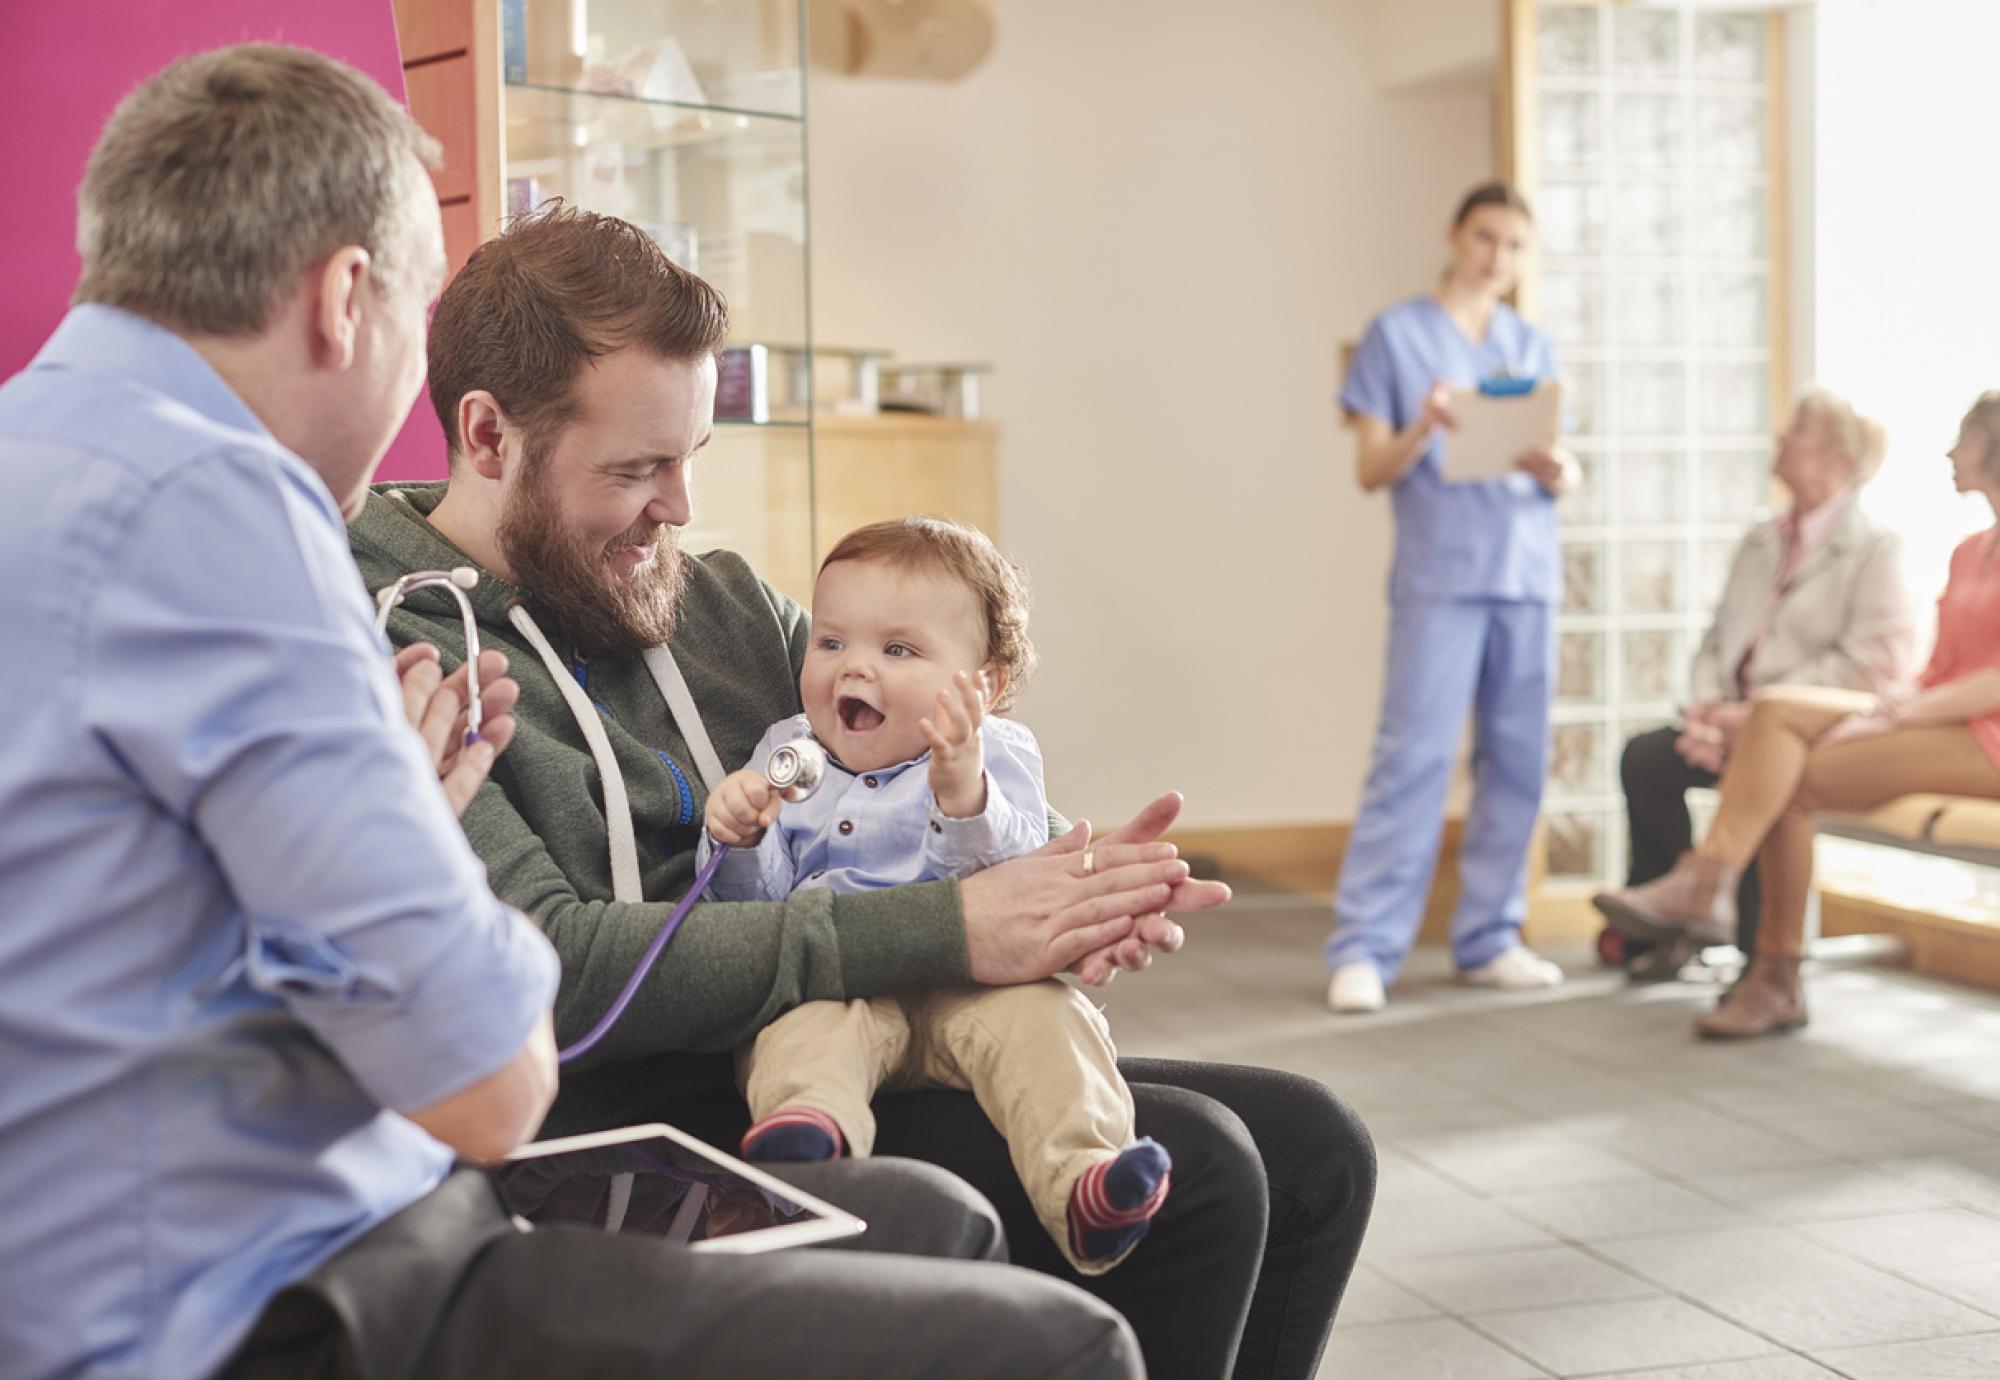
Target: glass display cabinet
[(688, 118)]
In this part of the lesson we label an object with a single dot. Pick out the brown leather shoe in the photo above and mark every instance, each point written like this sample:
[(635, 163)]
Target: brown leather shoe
[(1662, 962), (1766, 999), (1697, 899)]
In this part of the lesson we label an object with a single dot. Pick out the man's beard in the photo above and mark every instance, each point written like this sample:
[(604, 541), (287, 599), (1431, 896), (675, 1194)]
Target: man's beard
[(570, 576)]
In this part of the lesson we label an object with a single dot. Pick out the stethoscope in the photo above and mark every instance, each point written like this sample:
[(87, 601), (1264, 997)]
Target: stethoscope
[(457, 580), (795, 770)]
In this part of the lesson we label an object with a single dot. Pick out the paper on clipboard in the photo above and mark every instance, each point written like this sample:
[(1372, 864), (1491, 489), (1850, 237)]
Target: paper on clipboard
[(1493, 432)]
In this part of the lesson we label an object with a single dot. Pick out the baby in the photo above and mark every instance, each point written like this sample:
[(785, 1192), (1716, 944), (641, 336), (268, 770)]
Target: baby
[(919, 639)]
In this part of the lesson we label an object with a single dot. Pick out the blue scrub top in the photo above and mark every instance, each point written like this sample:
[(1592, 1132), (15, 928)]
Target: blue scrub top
[(1494, 539)]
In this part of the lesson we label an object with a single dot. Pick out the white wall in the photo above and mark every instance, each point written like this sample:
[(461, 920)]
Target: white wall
[(1159, 221), (1413, 42), (1906, 224)]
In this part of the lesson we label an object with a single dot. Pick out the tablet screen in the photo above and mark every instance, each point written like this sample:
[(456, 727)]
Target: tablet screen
[(656, 1180)]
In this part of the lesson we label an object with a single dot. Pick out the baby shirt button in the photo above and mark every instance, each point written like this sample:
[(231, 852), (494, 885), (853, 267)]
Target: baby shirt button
[(847, 826)]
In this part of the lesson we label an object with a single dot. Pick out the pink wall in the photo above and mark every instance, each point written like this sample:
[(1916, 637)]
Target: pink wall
[(65, 63)]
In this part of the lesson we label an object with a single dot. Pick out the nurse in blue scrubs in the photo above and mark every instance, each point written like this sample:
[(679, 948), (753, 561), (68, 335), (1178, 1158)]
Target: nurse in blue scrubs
[(1472, 609)]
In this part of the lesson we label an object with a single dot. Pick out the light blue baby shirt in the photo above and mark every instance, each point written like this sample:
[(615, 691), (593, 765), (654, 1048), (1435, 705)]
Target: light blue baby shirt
[(240, 922), (883, 828)]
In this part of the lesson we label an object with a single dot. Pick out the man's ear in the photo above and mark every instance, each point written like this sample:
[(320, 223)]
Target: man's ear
[(336, 316), (482, 426)]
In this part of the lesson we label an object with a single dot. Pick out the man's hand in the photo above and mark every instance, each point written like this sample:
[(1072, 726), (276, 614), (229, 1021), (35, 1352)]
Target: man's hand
[(434, 704), (742, 808), (1150, 932), (1034, 916), (958, 756)]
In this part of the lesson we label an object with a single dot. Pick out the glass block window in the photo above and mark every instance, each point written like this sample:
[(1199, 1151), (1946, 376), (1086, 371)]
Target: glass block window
[(1652, 142)]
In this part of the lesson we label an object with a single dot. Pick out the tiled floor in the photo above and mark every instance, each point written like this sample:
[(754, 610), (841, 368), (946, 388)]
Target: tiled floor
[(1572, 1186)]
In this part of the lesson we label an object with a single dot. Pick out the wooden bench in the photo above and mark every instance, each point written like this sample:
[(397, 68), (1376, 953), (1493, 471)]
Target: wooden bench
[(1965, 945)]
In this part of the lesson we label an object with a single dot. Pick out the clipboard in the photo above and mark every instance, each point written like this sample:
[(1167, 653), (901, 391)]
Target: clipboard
[(1498, 422)]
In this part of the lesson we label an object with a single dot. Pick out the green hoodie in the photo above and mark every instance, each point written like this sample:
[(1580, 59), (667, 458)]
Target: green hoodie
[(539, 822)]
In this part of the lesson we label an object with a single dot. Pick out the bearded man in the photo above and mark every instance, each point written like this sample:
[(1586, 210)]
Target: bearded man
[(573, 368)]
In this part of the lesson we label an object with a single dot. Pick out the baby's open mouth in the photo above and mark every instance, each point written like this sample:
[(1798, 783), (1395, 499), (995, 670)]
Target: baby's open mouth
[(858, 716)]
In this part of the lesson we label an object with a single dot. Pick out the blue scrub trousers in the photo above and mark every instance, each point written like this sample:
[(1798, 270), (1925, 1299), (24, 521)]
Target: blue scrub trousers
[(1496, 657)]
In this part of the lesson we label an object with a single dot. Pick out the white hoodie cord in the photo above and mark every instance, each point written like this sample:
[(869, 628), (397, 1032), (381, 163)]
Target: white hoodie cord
[(680, 703), (617, 808)]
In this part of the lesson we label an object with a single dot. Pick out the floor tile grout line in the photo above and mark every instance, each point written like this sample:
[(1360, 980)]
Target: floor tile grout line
[(1661, 1290), (1696, 1187), (1573, 1045), (1697, 1303), (1821, 1360), (1664, 1177)]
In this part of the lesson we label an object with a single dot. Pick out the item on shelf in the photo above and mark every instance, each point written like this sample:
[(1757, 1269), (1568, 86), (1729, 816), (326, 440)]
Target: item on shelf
[(524, 194), (743, 384), (938, 390), (513, 40), (863, 394), (666, 76)]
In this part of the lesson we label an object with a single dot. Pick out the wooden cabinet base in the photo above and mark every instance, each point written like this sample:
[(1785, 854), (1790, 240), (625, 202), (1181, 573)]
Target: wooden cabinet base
[(892, 465)]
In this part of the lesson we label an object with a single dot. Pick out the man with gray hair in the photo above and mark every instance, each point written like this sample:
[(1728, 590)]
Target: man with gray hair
[(255, 993)]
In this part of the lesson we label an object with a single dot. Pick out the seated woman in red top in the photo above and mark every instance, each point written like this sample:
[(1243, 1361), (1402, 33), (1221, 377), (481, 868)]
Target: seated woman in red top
[(1814, 749)]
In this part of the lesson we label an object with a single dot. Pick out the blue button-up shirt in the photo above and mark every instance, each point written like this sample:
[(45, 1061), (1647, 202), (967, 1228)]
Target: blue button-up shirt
[(239, 920), (1492, 539), (862, 832)]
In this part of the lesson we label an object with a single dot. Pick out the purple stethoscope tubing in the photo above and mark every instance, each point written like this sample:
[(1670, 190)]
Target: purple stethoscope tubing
[(648, 959), (796, 769)]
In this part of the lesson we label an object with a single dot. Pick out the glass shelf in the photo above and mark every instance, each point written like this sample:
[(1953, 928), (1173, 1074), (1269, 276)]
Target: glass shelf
[(716, 112), (549, 121)]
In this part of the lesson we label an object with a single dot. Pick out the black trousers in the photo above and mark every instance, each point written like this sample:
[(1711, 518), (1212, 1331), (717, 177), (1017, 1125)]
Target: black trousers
[(1243, 1269), (1656, 781), (447, 1290)]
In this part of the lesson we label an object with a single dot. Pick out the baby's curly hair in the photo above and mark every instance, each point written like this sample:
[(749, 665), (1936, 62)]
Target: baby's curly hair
[(968, 555)]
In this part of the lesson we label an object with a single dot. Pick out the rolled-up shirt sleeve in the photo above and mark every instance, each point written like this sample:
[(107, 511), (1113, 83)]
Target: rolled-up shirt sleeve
[(230, 664), (1016, 817)]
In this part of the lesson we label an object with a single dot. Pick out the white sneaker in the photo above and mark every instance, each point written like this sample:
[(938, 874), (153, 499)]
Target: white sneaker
[(1355, 987), (1515, 969)]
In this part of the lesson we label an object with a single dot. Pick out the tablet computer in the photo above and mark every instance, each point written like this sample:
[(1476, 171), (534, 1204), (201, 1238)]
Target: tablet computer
[(656, 1180)]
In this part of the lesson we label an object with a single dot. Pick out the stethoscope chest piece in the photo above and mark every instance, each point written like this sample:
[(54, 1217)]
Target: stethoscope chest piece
[(796, 769)]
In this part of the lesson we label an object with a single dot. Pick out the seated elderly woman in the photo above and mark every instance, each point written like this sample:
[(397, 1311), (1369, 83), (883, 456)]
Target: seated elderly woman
[(1814, 597), (1809, 749)]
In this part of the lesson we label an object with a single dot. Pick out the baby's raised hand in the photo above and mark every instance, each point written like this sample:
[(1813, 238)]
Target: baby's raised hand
[(742, 808), (958, 759)]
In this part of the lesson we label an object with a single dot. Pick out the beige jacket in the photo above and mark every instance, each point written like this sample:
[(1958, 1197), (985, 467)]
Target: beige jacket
[(1846, 620)]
